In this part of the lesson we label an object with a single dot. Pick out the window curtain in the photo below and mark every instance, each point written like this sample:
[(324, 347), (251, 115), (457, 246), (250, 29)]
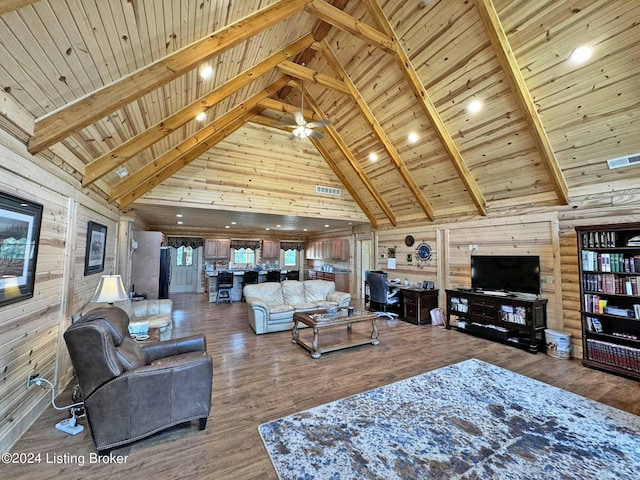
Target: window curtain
[(292, 246), (177, 242), (252, 244)]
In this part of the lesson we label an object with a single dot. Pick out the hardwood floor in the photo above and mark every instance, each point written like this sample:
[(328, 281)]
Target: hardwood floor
[(258, 378)]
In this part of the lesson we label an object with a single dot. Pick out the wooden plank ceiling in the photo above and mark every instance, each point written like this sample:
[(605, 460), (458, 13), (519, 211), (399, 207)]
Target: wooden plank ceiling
[(117, 84)]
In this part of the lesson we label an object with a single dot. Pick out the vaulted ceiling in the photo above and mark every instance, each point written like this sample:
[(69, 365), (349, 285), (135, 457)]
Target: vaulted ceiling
[(117, 83)]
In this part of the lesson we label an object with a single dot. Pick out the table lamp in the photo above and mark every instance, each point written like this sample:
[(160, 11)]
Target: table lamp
[(109, 290)]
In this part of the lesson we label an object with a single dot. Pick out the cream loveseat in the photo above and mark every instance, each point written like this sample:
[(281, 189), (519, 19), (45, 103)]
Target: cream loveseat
[(157, 313), (272, 304)]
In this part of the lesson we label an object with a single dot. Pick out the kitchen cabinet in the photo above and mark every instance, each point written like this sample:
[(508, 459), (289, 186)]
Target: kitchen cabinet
[(329, 250), (217, 248), (270, 249), (340, 249)]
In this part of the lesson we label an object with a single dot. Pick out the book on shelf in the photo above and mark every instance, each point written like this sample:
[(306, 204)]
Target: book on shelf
[(636, 311), (595, 324)]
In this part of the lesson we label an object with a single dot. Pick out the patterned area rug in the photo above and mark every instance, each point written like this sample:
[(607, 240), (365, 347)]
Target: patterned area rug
[(471, 420)]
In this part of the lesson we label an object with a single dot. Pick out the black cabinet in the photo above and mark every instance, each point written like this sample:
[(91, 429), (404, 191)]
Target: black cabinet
[(418, 304), (609, 271), (515, 320)]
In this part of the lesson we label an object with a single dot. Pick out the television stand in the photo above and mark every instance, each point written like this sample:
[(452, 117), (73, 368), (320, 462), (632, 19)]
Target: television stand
[(513, 321), (499, 293)]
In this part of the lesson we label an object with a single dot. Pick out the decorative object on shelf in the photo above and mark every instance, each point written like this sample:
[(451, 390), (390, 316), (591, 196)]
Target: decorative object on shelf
[(96, 247), (423, 252), (20, 222), (409, 241)]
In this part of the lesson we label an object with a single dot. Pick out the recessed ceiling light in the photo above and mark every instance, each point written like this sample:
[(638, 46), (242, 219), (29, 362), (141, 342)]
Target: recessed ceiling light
[(413, 137), (206, 71), (581, 54), (373, 156), (278, 226), (267, 228), (326, 226), (233, 223), (304, 229), (227, 226), (122, 172), (180, 223), (179, 215), (474, 106), (201, 117)]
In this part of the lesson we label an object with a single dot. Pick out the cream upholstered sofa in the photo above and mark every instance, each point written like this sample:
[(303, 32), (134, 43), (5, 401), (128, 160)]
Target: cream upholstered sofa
[(157, 313), (272, 304)]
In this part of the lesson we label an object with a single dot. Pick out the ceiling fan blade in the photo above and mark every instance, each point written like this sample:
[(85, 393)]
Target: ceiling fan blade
[(315, 134), (299, 118), (319, 123)]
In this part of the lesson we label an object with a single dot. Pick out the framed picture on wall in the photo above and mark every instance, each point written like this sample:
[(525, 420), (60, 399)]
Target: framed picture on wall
[(96, 248), (20, 222)]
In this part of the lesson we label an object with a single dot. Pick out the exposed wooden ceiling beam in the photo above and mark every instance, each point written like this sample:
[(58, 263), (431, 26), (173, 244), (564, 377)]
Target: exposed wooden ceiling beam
[(188, 157), (284, 107), (86, 110), (10, 5), (507, 60), (303, 73), (319, 33), (336, 169), (429, 109), (337, 18), (173, 156), (334, 62), (335, 136), (119, 155)]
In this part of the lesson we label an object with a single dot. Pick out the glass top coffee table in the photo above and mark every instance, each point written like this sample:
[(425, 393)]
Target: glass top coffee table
[(318, 319)]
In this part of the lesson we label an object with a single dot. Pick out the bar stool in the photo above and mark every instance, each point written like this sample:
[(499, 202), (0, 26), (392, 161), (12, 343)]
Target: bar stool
[(293, 275), (250, 278), (225, 284), (273, 276)]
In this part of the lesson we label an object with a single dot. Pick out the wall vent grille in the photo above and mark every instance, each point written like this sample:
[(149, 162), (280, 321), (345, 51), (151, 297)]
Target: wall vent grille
[(624, 161), (336, 192)]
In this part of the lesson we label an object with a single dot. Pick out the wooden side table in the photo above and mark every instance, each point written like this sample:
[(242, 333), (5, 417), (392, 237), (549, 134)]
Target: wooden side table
[(418, 304)]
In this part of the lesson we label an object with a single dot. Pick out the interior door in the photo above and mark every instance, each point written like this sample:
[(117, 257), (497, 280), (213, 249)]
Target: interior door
[(365, 265), (184, 276)]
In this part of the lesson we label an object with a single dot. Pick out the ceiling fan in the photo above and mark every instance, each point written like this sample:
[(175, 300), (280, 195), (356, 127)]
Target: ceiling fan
[(302, 128)]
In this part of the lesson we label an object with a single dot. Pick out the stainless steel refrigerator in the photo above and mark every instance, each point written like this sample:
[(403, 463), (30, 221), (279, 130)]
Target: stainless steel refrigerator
[(165, 272)]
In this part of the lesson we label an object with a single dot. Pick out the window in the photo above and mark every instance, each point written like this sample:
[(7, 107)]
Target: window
[(184, 257), (290, 258), (244, 255)]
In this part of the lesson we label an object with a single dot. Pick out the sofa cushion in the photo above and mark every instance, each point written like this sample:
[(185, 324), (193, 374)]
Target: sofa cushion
[(325, 304), (317, 290), (293, 292), (269, 292), (303, 307)]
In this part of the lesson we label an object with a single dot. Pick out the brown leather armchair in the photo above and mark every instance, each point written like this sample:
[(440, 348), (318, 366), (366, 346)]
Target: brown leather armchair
[(133, 390)]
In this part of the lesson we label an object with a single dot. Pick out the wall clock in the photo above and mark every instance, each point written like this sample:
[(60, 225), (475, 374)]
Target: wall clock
[(423, 252), (408, 240)]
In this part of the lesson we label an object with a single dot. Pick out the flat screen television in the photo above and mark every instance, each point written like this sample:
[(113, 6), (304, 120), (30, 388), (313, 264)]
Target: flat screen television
[(510, 273)]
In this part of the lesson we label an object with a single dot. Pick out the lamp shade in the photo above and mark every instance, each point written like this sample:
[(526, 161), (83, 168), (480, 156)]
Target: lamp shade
[(110, 289)]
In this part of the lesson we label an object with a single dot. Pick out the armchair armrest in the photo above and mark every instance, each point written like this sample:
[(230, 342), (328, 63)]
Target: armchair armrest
[(167, 348)]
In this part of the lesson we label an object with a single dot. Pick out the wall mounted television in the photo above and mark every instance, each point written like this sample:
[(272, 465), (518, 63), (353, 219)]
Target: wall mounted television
[(509, 273)]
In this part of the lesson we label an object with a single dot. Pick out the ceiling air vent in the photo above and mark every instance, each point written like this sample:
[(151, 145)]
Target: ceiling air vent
[(328, 190), (624, 161)]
